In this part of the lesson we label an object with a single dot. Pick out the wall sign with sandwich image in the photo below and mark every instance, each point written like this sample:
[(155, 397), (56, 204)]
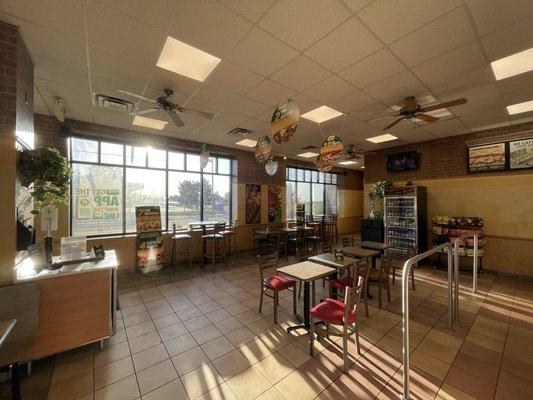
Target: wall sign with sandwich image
[(521, 154), (489, 157)]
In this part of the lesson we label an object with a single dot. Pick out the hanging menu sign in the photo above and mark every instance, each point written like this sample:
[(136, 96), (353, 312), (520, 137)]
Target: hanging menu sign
[(323, 165), (149, 244), (204, 157), (284, 121), (332, 148), (263, 149)]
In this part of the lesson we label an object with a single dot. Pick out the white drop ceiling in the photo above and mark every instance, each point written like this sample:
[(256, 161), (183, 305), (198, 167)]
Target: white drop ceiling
[(359, 57)]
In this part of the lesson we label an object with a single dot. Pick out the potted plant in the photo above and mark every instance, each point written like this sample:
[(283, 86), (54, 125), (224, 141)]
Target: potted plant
[(376, 194), (46, 174)]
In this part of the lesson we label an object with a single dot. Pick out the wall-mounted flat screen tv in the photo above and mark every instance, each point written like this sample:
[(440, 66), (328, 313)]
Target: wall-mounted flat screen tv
[(404, 161)]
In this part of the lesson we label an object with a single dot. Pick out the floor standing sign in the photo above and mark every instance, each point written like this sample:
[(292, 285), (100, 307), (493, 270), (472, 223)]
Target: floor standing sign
[(150, 254), (300, 214)]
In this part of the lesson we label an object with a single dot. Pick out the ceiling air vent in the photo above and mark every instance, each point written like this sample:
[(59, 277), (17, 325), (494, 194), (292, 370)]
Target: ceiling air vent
[(113, 103), (309, 147), (241, 132)]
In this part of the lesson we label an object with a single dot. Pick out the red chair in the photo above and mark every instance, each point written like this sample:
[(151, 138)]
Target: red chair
[(339, 284), (336, 312), (275, 283)]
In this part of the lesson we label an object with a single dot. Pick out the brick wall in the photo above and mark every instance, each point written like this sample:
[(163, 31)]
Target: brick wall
[(8, 77), (440, 158)]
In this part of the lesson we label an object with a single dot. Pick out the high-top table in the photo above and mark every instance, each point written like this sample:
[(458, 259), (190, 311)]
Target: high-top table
[(307, 272), (6, 327)]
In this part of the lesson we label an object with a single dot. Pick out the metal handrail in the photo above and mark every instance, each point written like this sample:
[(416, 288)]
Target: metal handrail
[(475, 262), (447, 247)]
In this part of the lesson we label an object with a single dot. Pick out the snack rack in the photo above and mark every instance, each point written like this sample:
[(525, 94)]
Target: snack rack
[(405, 217)]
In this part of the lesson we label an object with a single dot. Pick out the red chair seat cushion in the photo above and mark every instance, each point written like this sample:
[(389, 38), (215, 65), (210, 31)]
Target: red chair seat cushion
[(332, 311), (277, 282), (341, 283)]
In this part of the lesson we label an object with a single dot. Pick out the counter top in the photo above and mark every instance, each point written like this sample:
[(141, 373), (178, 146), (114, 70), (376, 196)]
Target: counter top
[(26, 271)]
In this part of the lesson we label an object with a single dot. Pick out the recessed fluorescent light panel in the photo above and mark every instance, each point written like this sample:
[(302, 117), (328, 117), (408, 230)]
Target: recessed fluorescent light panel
[(513, 65), (186, 60), (382, 138), (149, 122), (247, 143), (308, 154), (520, 107), (321, 114), (348, 162)]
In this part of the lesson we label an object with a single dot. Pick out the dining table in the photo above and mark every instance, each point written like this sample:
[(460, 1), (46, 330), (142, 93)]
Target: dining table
[(330, 260), (6, 327), (307, 272)]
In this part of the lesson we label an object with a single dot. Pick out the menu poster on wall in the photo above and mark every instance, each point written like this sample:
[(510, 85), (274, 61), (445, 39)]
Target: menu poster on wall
[(274, 203), (300, 214), (490, 157), (521, 154), (253, 204), (149, 244)]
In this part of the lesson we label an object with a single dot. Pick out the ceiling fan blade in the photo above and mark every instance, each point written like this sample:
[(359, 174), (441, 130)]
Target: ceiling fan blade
[(426, 117), (380, 118), (456, 102), (147, 111), (176, 119), (136, 95), (394, 123), (196, 113)]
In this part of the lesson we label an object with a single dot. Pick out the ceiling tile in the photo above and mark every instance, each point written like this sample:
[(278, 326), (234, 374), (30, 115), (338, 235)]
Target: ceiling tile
[(230, 117), (456, 61), (460, 82), (269, 92), (493, 125), (521, 119), (208, 25), (448, 127), (300, 24), (50, 70), (444, 34), (519, 96), (161, 79), (367, 112), (300, 73), (356, 5), (510, 40), (305, 103), (203, 107), (477, 93), (400, 85), (330, 89), (56, 89), (77, 102), (491, 15), (375, 67), (486, 117), (110, 86), (479, 106), (112, 30), (391, 20), (214, 97), (156, 13), (232, 77), (515, 83), (252, 10), (347, 44), (262, 53), (352, 101), (255, 125), (248, 107)]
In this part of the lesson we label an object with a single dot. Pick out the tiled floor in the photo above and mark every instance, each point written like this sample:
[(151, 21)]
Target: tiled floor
[(199, 335)]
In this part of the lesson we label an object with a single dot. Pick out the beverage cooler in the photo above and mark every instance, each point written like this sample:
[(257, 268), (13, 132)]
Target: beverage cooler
[(405, 217)]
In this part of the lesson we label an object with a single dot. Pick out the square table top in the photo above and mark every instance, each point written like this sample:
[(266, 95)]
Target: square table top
[(374, 245), (359, 252), (287, 230), (329, 260), (306, 271)]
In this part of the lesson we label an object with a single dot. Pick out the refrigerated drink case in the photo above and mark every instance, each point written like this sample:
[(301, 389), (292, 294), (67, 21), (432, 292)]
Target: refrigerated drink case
[(405, 217)]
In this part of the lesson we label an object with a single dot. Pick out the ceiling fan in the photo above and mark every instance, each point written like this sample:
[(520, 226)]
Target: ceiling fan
[(351, 153), (172, 109), (412, 110)]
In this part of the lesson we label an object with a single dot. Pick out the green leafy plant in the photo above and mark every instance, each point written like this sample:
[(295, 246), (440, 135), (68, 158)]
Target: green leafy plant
[(376, 194), (45, 172)]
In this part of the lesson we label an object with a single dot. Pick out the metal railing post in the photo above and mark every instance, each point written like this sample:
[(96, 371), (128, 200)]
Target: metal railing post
[(450, 288), (476, 260)]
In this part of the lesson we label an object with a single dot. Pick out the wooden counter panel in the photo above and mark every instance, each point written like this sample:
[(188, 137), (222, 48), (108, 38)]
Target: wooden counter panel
[(74, 310)]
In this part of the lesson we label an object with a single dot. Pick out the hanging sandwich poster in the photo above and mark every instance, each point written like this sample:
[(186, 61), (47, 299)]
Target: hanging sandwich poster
[(274, 204), (323, 165), (149, 243), (271, 167), (263, 149), (204, 156), (332, 148), (253, 204), (489, 157), (284, 121), (521, 154)]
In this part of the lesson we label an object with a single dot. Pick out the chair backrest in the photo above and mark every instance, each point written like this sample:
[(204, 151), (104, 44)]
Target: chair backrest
[(235, 224), (267, 261), (385, 265), (352, 295), (302, 254), (20, 302), (326, 247), (347, 241), (398, 257), (219, 227)]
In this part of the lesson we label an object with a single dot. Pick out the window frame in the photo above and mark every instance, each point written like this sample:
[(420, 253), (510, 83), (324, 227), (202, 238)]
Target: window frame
[(166, 169)]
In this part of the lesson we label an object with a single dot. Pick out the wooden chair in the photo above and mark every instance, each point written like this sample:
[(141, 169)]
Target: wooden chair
[(336, 312), (258, 240), (347, 241), (362, 269), (178, 236), (397, 259), (380, 277), (274, 283)]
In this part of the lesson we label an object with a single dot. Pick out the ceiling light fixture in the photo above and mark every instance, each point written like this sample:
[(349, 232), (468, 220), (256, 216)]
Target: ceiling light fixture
[(247, 143), (321, 114), (348, 162), (149, 122), (308, 154), (382, 138), (520, 107), (514, 64), (186, 60)]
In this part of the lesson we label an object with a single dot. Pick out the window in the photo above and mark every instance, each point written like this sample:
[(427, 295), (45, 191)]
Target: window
[(110, 179), (317, 190)]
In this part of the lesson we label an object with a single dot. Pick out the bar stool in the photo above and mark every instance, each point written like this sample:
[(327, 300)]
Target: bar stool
[(231, 232), (180, 236), (217, 239), (332, 228)]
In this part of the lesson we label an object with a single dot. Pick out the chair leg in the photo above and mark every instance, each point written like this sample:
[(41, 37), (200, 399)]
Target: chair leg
[(366, 299), (300, 290), (15, 381), (312, 335), (261, 301), (380, 295), (388, 290), (294, 301), (327, 330), (276, 301), (357, 345), (345, 347), (393, 275), (173, 256)]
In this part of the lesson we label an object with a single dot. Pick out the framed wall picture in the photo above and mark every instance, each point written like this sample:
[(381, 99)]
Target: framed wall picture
[(488, 157), (521, 154)]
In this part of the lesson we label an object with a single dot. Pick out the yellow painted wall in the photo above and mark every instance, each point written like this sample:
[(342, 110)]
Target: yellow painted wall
[(504, 201)]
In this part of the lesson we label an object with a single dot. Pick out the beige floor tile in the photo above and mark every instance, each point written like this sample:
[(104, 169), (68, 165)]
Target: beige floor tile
[(189, 360), (171, 391), (206, 334), (140, 329), (255, 350), (135, 319), (217, 347), (297, 387), (432, 365), (296, 353), (144, 342), (73, 363), (201, 380), (149, 357), (241, 336), (274, 367), (166, 320), (448, 392), (110, 354), (72, 388), (248, 384), (483, 340), (113, 372), (221, 392), (438, 350), (125, 389), (228, 325), (196, 323), (172, 331), (156, 376), (445, 339), (231, 364), (180, 345)]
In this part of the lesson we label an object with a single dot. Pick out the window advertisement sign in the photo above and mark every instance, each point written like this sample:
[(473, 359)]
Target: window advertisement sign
[(149, 244)]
